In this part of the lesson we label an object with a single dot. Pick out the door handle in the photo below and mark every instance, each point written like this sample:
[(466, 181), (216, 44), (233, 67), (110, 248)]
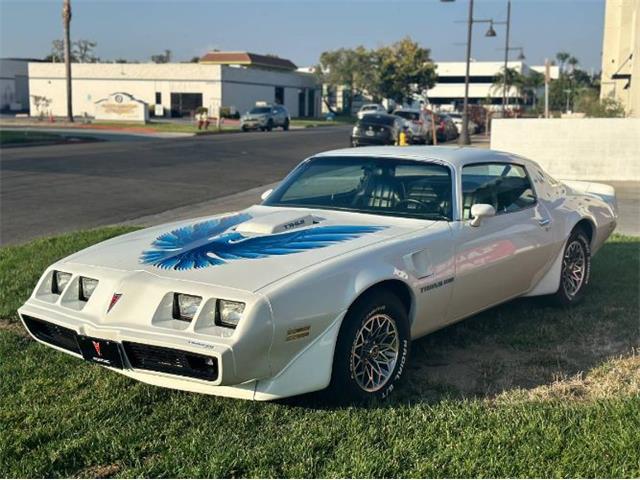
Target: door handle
[(543, 221)]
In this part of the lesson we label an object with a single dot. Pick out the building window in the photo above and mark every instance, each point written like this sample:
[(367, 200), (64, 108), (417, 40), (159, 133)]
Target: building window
[(158, 98), (280, 95)]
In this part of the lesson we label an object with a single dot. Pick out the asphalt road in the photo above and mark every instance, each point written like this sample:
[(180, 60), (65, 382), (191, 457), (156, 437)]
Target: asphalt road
[(55, 189)]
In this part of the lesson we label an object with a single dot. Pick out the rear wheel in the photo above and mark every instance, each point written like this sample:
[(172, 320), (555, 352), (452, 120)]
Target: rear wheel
[(372, 348), (270, 125), (576, 269)]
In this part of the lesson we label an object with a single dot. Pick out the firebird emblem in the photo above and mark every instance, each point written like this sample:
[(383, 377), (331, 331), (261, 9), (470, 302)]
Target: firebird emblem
[(97, 346), (114, 300), (214, 242)]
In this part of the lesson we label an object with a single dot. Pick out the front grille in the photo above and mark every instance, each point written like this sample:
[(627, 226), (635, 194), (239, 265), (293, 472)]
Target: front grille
[(53, 334), (168, 360)]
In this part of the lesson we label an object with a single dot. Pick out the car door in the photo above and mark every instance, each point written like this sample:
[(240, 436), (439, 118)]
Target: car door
[(504, 255)]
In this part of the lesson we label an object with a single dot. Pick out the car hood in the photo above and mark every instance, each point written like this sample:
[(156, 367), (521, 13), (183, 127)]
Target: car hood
[(244, 250)]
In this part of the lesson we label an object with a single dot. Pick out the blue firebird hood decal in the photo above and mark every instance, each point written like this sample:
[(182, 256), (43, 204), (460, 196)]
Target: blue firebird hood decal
[(214, 243)]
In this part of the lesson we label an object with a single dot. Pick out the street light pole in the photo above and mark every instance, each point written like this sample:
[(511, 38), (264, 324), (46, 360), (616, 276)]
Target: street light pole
[(464, 137), (506, 61)]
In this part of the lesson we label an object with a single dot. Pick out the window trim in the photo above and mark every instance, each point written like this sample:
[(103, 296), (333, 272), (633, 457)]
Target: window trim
[(498, 213)]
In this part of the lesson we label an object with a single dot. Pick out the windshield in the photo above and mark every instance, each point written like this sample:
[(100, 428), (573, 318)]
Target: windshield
[(408, 115), (383, 186), (369, 107), (377, 120), (260, 110)]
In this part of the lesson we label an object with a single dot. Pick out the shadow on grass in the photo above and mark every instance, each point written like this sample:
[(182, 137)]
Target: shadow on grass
[(524, 343)]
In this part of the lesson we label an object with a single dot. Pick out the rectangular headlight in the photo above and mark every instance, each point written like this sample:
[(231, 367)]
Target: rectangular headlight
[(86, 288), (59, 281), (229, 313), (185, 306)]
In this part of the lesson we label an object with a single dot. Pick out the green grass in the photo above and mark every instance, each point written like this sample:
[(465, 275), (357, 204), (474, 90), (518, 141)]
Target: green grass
[(22, 137), (498, 395), (171, 127), (321, 122)]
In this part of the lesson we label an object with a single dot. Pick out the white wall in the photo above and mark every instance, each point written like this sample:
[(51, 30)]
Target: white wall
[(242, 87), (576, 149), (95, 81), (14, 84)]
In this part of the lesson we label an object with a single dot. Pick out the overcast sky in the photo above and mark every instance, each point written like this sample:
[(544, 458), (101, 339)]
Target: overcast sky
[(300, 30)]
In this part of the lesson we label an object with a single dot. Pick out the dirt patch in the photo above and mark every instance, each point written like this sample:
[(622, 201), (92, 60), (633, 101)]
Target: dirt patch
[(13, 327), (99, 471), (615, 378)]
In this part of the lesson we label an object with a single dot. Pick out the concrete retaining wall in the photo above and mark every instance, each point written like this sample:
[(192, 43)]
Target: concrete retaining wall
[(579, 149)]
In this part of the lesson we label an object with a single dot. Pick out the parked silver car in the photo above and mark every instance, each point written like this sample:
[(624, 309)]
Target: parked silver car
[(419, 123), (265, 117)]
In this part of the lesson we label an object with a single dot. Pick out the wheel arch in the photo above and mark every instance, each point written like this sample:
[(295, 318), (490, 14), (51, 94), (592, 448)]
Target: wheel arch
[(588, 227), (399, 288)]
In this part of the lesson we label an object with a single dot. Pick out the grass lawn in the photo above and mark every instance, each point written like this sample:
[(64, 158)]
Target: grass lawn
[(524, 389), (21, 137), (321, 122), (170, 127)]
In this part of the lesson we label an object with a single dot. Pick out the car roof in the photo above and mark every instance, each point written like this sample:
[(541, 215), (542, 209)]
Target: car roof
[(451, 155), (412, 110)]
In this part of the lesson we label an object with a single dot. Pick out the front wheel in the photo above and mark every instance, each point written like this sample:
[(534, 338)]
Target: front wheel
[(576, 269), (270, 125), (372, 348), (285, 127)]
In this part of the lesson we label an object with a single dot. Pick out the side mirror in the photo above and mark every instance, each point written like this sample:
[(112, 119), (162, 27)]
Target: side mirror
[(480, 211), (266, 194)]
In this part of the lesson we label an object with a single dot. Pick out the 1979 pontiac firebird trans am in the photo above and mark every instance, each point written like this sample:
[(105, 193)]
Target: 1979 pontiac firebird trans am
[(324, 284)]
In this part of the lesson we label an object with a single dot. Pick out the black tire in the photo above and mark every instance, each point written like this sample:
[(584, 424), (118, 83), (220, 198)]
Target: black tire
[(270, 125), (285, 127), (576, 257), (245, 128), (377, 304)]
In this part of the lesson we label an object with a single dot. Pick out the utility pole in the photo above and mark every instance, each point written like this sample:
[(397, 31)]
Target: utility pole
[(506, 61), (547, 78), (66, 23), (464, 137)]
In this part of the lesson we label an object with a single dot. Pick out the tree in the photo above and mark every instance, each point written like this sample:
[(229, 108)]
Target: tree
[(349, 68), (162, 57), (589, 103), (514, 79), (404, 69), (562, 58), (66, 22), (83, 51)]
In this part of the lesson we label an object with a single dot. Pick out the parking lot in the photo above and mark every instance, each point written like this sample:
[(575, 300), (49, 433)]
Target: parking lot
[(54, 189)]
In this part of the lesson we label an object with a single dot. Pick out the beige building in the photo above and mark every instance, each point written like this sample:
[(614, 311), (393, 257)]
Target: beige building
[(621, 54), (14, 84), (235, 80)]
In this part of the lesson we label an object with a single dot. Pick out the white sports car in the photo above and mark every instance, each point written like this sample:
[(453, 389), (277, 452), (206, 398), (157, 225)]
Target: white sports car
[(325, 284)]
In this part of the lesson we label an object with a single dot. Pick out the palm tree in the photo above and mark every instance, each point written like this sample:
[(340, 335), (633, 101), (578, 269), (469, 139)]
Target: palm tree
[(532, 85), (513, 79), (562, 58), (573, 63), (66, 23)]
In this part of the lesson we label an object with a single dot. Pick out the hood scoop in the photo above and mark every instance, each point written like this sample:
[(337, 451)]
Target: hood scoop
[(277, 223)]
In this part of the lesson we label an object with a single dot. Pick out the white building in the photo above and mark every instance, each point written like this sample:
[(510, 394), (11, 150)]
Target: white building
[(235, 80), (621, 54), (14, 84), (482, 89)]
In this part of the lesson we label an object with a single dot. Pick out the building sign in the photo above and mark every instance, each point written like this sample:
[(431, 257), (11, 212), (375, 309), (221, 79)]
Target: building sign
[(121, 107)]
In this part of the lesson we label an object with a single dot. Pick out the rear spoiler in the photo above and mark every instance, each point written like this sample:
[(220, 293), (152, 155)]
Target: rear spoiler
[(599, 190)]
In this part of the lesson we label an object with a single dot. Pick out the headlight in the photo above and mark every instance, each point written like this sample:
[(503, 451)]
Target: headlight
[(59, 281), (87, 286), (185, 306), (229, 313)]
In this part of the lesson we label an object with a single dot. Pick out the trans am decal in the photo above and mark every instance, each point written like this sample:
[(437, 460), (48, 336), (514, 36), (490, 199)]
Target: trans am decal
[(214, 242)]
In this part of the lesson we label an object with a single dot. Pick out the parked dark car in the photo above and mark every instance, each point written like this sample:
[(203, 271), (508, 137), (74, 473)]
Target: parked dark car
[(446, 130), (377, 129)]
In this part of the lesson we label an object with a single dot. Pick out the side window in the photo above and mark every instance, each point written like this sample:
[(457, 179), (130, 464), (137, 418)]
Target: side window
[(506, 186)]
